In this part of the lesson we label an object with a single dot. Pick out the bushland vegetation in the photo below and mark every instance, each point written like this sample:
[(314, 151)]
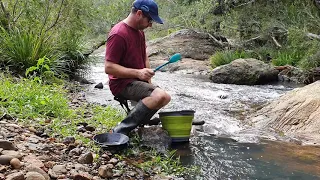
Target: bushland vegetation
[(280, 31)]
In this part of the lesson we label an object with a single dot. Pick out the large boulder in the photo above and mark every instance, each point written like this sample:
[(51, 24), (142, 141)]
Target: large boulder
[(187, 42), (194, 47), (295, 114), (244, 72)]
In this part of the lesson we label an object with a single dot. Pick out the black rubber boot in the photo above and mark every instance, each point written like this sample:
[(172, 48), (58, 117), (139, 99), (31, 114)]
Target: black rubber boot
[(149, 121), (135, 117)]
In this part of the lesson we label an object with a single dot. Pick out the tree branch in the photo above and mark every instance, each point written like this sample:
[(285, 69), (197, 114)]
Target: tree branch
[(276, 42), (252, 39), (57, 18), (317, 2), (216, 40), (310, 35), (46, 17), (14, 8), (5, 12), (252, 1), (2, 7), (15, 18)]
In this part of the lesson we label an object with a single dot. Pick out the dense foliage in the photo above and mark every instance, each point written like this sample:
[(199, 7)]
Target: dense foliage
[(62, 30)]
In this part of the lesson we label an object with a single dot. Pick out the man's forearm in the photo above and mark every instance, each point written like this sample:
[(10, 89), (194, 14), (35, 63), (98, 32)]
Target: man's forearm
[(120, 71)]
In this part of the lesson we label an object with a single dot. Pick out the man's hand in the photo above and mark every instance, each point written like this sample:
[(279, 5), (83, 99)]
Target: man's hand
[(145, 74)]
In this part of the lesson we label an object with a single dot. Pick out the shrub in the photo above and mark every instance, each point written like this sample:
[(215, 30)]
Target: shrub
[(21, 50), (311, 61), (225, 57)]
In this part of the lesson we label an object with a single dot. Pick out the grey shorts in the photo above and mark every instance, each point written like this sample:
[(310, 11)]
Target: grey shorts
[(137, 90)]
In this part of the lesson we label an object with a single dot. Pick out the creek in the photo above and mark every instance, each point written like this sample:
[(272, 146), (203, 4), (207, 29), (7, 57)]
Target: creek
[(224, 147)]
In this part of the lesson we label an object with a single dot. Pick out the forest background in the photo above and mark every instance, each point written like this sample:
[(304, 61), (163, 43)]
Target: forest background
[(62, 32)]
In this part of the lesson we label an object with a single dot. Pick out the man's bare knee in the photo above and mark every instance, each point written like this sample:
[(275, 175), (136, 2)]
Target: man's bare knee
[(161, 96)]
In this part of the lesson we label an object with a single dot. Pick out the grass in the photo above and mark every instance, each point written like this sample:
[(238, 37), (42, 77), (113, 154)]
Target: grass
[(27, 99), (32, 103), (151, 161), (164, 163), (225, 57)]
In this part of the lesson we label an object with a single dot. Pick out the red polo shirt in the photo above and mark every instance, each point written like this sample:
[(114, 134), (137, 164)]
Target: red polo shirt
[(126, 46)]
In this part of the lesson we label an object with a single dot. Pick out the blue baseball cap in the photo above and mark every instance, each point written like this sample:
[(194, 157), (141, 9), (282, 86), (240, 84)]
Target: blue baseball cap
[(149, 7)]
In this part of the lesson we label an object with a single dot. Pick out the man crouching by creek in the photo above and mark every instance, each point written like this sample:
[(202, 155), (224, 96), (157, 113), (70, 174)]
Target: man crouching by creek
[(128, 66)]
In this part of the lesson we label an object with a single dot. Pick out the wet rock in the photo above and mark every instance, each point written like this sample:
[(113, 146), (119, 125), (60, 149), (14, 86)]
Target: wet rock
[(84, 124), (86, 158), (5, 160), (105, 171), (293, 74), (153, 134), (81, 80), (7, 145), (32, 168), (15, 176), (69, 140), (244, 72), (99, 86), (198, 122), (15, 163), (113, 161), (34, 176), (296, 114), (70, 147), (90, 128), (223, 96), (75, 152), (106, 157), (81, 129)]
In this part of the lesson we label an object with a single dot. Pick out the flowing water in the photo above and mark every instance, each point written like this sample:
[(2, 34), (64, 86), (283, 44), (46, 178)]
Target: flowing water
[(224, 147)]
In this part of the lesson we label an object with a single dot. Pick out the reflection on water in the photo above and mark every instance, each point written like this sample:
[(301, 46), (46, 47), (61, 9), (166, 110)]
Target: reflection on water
[(224, 158)]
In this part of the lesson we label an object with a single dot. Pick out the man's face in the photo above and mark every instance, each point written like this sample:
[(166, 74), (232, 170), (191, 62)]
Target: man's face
[(145, 20)]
